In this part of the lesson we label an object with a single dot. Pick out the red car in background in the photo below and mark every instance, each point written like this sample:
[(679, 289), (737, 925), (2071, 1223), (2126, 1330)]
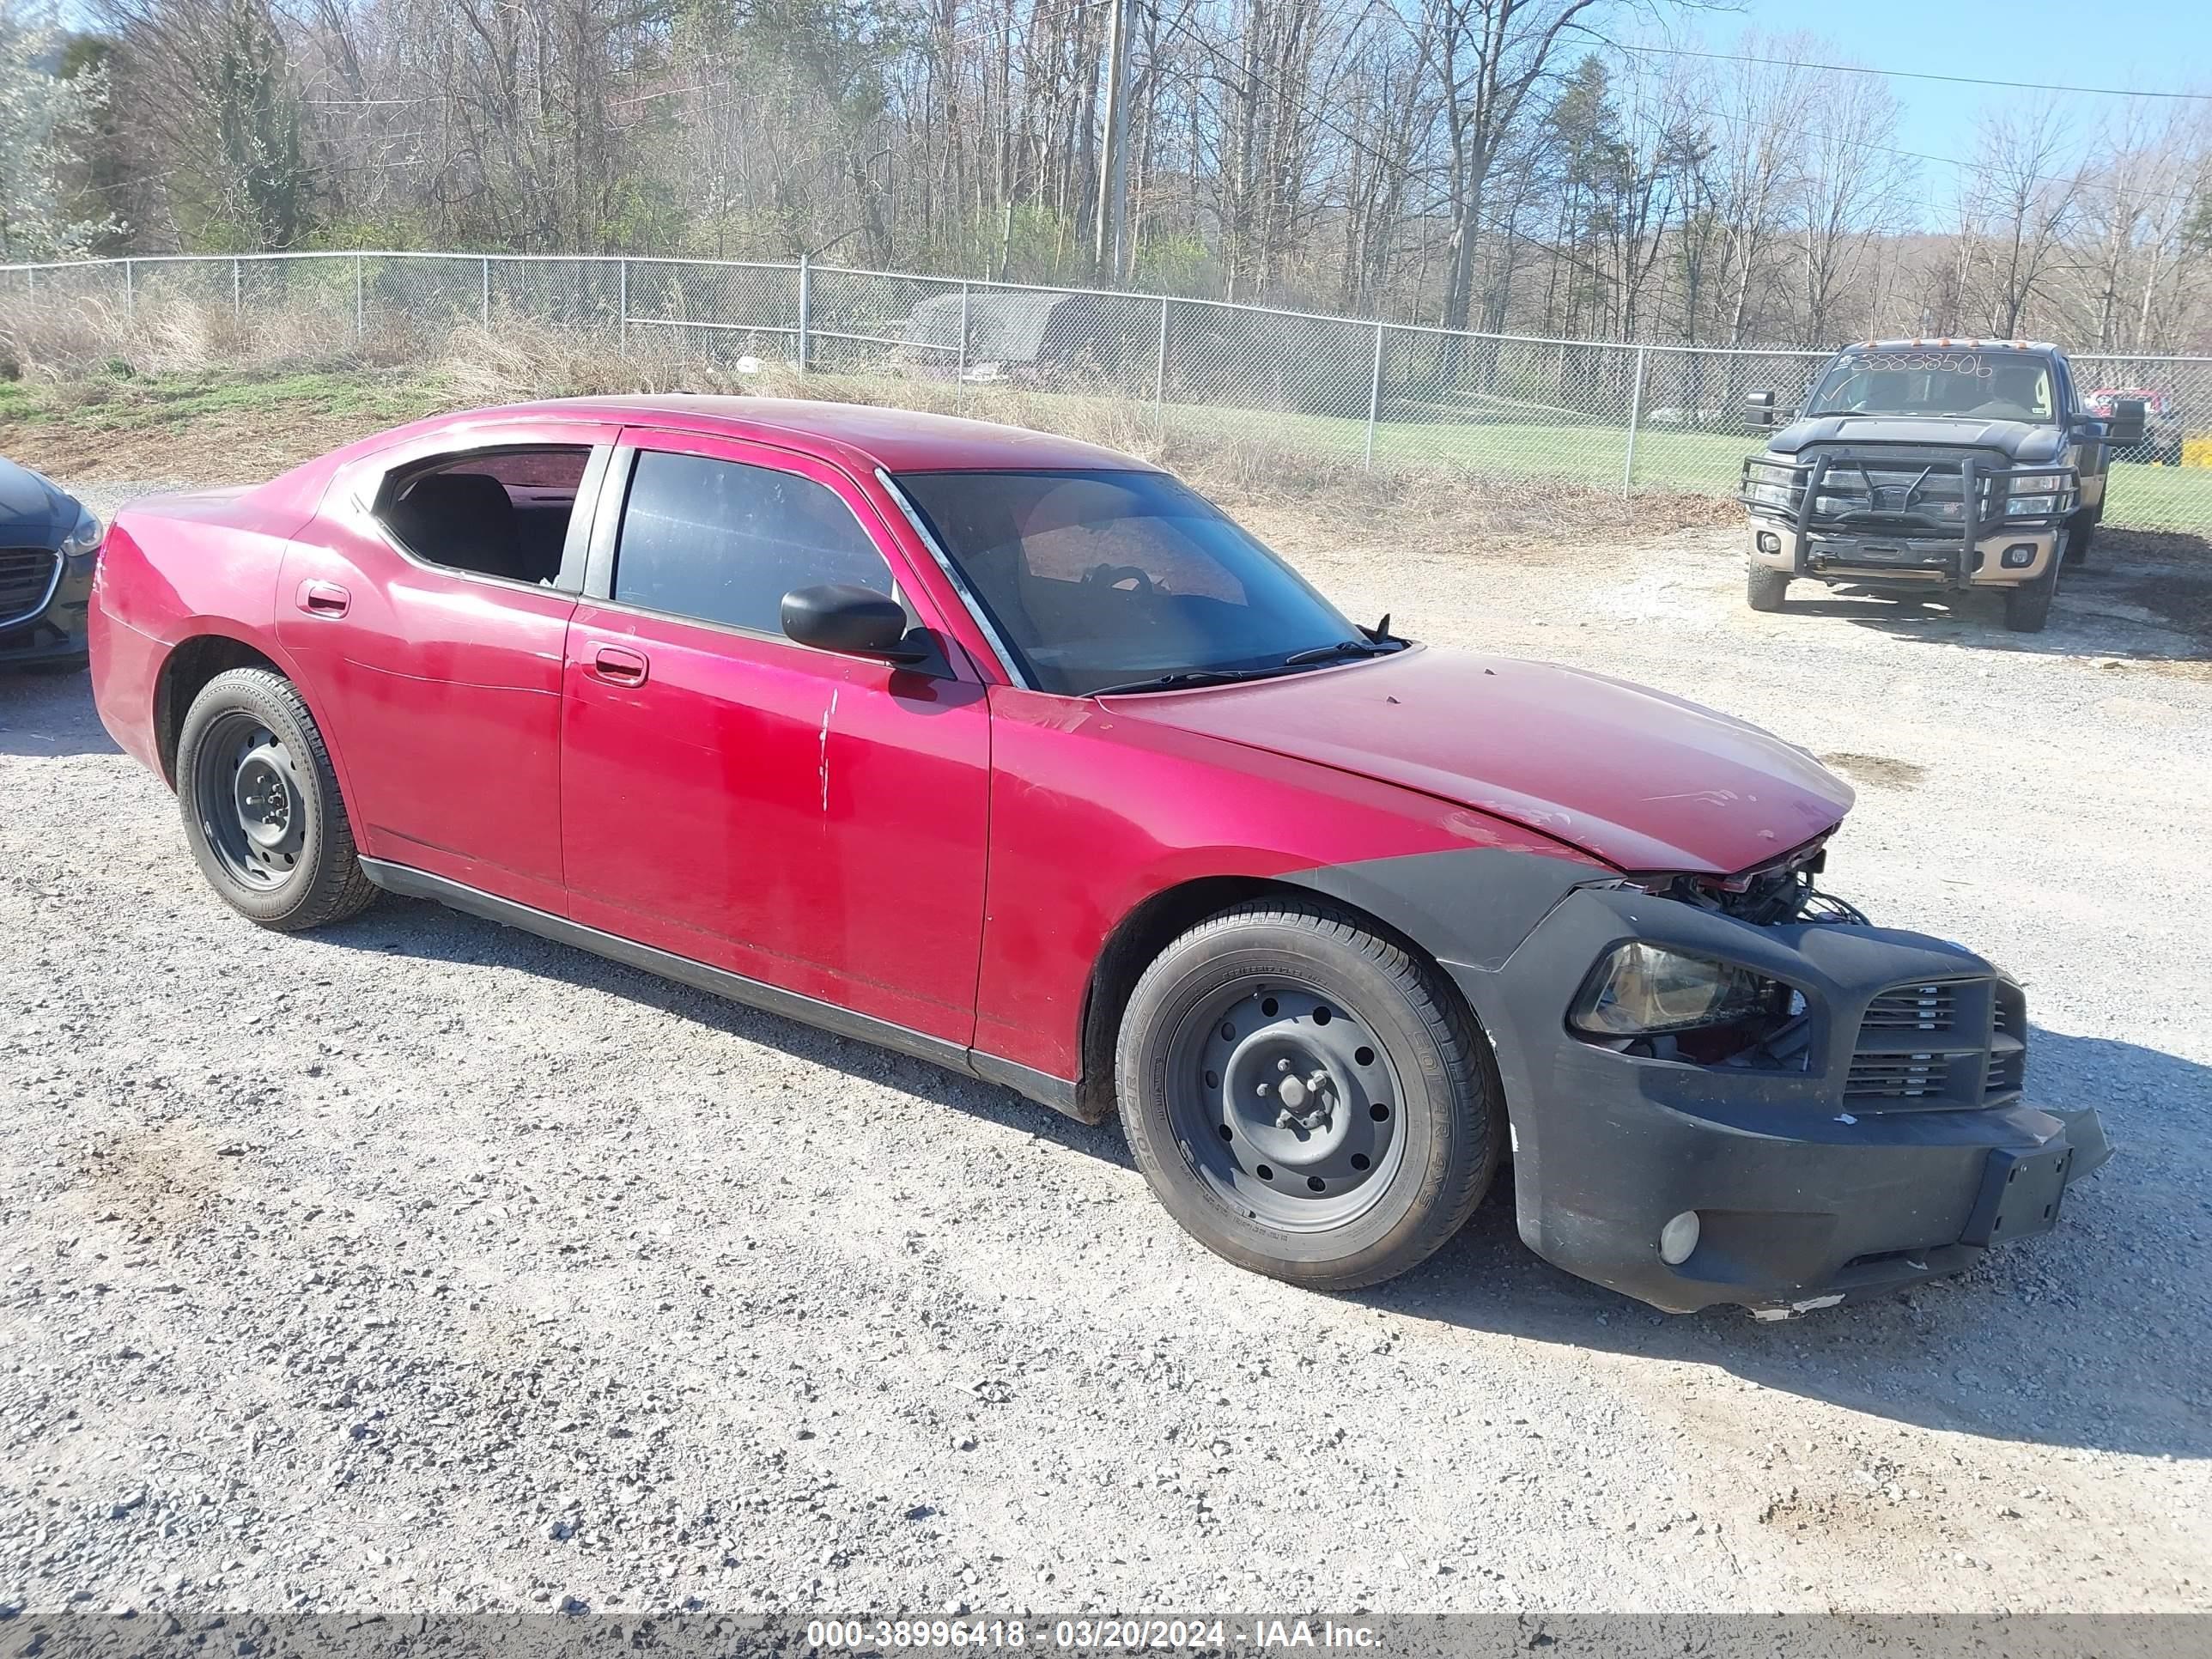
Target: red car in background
[(1014, 754), (2163, 436)]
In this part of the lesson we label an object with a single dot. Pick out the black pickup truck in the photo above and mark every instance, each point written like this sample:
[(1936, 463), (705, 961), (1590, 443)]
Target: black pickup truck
[(1950, 464)]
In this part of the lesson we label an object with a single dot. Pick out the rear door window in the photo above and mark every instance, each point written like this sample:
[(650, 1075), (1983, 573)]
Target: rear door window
[(723, 542), (501, 512)]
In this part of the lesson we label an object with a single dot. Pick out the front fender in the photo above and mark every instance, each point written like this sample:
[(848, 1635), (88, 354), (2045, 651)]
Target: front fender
[(1095, 815)]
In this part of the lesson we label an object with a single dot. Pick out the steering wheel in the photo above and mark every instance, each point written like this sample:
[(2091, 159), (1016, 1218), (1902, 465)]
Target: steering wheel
[(1113, 575)]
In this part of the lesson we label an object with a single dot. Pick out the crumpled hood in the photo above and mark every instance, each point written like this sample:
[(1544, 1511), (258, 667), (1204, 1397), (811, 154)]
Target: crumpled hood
[(2017, 440), (1645, 780)]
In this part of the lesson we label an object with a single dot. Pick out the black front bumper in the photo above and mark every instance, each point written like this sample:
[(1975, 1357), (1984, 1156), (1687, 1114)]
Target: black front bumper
[(52, 631), (1808, 1189)]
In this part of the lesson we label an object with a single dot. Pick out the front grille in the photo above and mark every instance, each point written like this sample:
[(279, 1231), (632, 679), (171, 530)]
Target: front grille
[(27, 576), (2008, 1043), (1914, 1008), (1932, 1043), (1899, 1077)]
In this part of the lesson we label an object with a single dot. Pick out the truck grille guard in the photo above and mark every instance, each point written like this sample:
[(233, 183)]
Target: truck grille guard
[(1901, 497)]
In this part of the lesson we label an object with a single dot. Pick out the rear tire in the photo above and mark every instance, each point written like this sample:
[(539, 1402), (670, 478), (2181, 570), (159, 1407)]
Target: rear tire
[(1307, 1098), (261, 806), (1766, 588)]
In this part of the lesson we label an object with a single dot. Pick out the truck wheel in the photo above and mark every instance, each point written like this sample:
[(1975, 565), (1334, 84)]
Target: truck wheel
[(2027, 607), (261, 805), (1307, 1098), (1766, 588)]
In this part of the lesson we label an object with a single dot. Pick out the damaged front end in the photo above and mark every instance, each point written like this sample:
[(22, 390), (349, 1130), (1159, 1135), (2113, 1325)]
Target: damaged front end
[(1657, 1004), (1738, 1090)]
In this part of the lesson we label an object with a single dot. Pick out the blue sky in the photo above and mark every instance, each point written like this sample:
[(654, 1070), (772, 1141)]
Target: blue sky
[(2162, 44)]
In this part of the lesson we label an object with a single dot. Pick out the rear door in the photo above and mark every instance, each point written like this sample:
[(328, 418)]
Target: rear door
[(812, 821), (430, 627)]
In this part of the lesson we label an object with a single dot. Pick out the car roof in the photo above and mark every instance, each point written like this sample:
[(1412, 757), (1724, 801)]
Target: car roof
[(897, 439)]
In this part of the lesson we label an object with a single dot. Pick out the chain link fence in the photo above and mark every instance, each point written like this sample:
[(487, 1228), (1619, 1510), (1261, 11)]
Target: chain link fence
[(1495, 406)]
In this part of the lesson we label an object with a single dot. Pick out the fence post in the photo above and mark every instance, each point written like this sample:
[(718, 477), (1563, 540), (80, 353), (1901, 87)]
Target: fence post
[(237, 288), (1160, 369), (805, 293), (129, 290), (961, 374), (622, 334), (1374, 396), (487, 291), (1635, 417), (357, 298)]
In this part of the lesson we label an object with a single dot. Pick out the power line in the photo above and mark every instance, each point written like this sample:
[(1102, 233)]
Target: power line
[(1908, 74)]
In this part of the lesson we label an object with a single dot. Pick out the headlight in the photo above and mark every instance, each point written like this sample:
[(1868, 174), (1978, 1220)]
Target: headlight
[(1641, 989), (1768, 495), (2045, 481), (2022, 507), (83, 538)]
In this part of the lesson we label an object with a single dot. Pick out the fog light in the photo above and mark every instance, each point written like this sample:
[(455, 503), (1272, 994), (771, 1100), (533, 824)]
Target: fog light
[(1678, 1238), (2019, 555), (1768, 541)]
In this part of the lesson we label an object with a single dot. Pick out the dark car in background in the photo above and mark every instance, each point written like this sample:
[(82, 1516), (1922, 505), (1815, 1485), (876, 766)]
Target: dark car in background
[(48, 544)]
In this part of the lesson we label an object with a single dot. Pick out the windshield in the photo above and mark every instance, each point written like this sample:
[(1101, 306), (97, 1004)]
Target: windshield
[(1110, 579), (1999, 387)]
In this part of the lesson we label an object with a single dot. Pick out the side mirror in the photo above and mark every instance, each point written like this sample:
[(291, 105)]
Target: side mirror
[(2124, 427), (841, 617), (1759, 409)]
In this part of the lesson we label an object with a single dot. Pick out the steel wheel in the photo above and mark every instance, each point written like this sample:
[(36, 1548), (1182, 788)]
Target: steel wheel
[(1284, 1103), (1307, 1097), (252, 801)]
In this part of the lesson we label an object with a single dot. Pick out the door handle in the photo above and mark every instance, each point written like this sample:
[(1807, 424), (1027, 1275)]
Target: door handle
[(322, 598), (620, 667)]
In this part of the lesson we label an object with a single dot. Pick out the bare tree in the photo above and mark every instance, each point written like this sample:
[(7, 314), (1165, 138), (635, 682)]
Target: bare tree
[(1857, 188), (2018, 203), (1490, 162)]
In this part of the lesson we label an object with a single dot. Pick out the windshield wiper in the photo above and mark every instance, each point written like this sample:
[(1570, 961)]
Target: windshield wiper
[(1188, 676), (1382, 647)]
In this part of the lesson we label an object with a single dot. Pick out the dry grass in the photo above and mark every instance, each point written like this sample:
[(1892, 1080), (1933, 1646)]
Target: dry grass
[(189, 392)]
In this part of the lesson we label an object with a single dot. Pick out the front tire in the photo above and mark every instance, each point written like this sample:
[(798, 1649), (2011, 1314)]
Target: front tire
[(2080, 532), (1766, 588), (2027, 607), (1306, 1097), (261, 806)]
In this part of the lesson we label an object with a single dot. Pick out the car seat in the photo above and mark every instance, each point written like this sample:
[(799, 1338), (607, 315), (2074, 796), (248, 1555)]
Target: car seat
[(464, 520)]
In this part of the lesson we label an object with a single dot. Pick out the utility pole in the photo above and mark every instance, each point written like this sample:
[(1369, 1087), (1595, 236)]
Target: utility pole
[(1107, 261)]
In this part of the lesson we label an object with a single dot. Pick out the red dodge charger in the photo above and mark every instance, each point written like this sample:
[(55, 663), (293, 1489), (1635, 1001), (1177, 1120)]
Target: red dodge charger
[(1014, 754)]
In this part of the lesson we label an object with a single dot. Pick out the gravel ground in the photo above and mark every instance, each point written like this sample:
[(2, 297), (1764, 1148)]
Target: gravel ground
[(421, 1265)]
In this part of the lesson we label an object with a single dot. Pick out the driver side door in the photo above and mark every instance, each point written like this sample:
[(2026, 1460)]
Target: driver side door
[(805, 819)]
